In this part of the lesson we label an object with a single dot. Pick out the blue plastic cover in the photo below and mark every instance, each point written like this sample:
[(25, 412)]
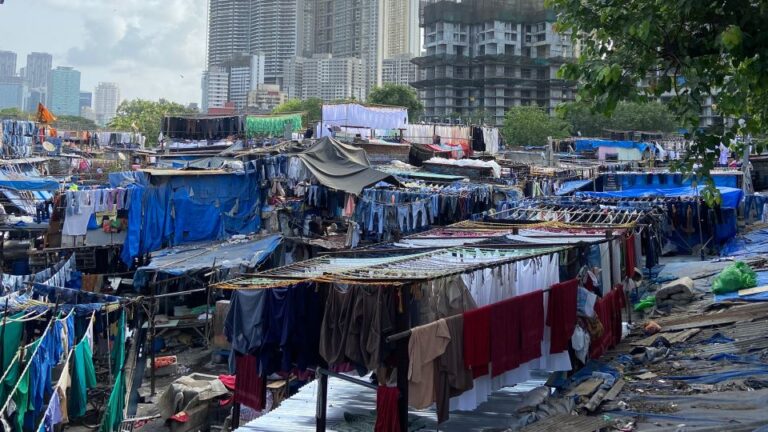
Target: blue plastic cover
[(228, 254), (26, 183), (731, 196), (572, 186), (587, 144)]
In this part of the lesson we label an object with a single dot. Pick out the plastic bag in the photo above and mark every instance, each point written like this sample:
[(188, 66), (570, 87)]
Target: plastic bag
[(645, 303), (736, 276)]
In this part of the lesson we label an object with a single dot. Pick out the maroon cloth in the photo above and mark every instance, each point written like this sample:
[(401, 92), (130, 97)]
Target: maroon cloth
[(250, 387), (608, 310), (477, 345), (387, 416), (630, 247), (561, 314), (532, 325), (505, 325)]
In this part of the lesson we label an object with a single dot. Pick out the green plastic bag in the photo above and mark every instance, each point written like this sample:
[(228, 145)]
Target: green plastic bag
[(645, 303), (737, 276)]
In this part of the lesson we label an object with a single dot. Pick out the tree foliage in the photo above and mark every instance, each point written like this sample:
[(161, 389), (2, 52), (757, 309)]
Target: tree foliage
[(687, 50), (15, 113), (146, 115), (312, 108), (397, 95), (531, 126), (75, 123), (628, 116)]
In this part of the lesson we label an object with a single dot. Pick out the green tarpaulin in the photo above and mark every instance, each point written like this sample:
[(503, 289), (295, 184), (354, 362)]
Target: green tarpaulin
[(271, 125)]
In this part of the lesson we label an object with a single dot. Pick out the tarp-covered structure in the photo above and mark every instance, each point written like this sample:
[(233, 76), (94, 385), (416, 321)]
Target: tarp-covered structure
[(342, 167), (730, 196), (183, 207), (594, 144), (225, 255)]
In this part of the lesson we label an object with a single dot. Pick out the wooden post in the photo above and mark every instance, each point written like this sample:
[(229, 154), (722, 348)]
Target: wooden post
[(236, 415)]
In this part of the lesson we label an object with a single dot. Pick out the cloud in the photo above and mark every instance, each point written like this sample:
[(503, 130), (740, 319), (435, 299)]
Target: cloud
[(151, 48)]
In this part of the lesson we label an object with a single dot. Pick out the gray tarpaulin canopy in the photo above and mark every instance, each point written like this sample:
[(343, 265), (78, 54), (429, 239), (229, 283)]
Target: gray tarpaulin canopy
[(342, 167)]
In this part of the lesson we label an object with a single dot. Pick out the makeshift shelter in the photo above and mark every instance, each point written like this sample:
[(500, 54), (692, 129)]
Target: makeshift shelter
[(342, 167)]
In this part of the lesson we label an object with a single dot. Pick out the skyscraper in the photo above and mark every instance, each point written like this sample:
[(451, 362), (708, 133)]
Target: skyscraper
[(245, 74), (7, 64), (215, 84), (401, 35), (275, 29), (351, 28), (229, 29), (274, 32), (106, 101), (38, 70), (64, 91)]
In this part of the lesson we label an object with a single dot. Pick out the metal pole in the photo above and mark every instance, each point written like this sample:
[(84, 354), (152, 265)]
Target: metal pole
[(403, 323), (322, 402), (153, 305)]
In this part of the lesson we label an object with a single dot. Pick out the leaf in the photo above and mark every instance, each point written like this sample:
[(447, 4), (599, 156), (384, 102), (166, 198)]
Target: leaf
[(731, 37)]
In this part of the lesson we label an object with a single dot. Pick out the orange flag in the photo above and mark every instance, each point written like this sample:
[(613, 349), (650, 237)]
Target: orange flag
[(43, 115)]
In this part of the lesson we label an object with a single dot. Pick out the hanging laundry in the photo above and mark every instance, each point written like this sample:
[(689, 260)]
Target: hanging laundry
[(561, 314), (84, 378), (426, 344), (250, 387), (387, 414), (452, 378)]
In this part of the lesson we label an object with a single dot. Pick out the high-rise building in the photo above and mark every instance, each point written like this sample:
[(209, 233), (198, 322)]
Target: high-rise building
[(86, 100), (34, 96), (399, 70), (489, 55), (229, 29), (351, 28), (245, 74), (274, 32), (276, 29), (324, 76), (38, 70), (7, 64), (64, 91), (106, 101), (215, 85), (11, 92), (305, 30), (401, 33)]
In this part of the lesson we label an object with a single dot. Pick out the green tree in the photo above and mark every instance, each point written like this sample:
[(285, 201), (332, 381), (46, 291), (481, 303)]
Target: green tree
[(75, 123), (146, 115), (688, 50), (397, 95), (628, 116), (531, 126), (15, 113), (312, 108)]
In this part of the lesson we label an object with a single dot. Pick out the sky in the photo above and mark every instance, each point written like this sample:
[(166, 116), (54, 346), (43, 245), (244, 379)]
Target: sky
[(152, 48)]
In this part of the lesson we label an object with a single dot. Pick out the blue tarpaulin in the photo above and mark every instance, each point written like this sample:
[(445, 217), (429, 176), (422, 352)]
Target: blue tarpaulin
[(228, 254), (592, 144), (26, 183), (572, 186), (181, 209), (730, 196)]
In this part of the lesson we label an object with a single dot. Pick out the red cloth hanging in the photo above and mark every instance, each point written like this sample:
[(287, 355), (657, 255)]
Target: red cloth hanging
[(387, 415), (631, 261), (250, 387), (532, 325), (561, 314), (608, 310), (505, 324), (477, 343)]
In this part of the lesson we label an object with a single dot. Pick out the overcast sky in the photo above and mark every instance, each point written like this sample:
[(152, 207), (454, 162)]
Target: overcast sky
[(151, 48)]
